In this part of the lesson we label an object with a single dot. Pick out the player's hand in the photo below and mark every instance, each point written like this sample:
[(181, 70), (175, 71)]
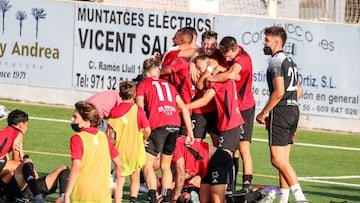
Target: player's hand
[(189, 139), (193, 72), (260, 118), (146, 143)]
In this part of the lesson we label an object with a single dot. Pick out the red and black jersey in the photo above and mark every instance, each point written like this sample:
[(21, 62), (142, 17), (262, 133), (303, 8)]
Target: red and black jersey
[(196, 156), (181, 78), (227, 105), (160, 102), (7, 137), (244, 85)]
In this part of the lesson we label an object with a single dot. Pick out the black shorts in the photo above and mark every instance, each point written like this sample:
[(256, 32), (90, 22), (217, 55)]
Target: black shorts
[(2, 163), (230, 139), (182, 130), (203, 123), (220, 169), (26, 194), (248, 116), (283, 121), (163, 139)]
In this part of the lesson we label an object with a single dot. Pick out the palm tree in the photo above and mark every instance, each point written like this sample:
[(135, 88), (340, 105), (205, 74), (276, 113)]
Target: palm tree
[(21, 15), (38, 13), (4, 6)]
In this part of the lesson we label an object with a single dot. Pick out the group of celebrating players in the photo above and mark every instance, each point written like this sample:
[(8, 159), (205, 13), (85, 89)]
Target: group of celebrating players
[(161, 123)]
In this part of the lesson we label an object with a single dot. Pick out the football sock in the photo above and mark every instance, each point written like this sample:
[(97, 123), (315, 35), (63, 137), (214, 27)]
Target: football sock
[(63, 179), (152, 196), (297, 192), (166, 193), (133, 199), (247, 178), (284, 197), (29, 176)]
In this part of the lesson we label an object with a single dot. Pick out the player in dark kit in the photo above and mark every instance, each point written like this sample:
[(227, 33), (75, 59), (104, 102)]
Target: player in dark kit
[(282, 107), (162, 102)]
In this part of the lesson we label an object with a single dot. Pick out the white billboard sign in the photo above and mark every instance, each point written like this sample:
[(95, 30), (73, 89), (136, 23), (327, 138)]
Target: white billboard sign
[(36, 43), (327, 56), (111, 43)]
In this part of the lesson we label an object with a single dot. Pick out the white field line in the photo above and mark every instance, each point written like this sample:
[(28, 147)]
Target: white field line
[(315, 145), (329, 182), (329, 177), (50, 119), (322, 179)]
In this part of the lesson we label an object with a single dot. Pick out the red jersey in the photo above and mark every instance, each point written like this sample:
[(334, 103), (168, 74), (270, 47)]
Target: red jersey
[(159, 101), (210, 107), (169, 57), (181, 79), (196, 156), (227, 105), (77, 146), (244, 85), (7, 137), (124, 107)]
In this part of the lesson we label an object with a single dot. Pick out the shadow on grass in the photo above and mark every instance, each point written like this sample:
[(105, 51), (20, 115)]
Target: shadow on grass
[(337, 192)]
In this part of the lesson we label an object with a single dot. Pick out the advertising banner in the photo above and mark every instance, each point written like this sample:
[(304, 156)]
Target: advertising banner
[(36, 43), (328, 62), (111, 43)]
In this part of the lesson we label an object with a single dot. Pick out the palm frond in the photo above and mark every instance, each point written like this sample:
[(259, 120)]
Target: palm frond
[(38, 13), (5, 5), (21, 15)]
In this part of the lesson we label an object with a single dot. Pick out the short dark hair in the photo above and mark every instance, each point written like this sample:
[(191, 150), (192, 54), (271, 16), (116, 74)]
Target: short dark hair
[(88, 112), (127, 90), (17, 116), (276, 31), (227, 44), (209, 34)]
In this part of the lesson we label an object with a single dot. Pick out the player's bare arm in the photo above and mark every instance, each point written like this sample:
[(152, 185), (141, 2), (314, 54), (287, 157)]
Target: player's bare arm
[(275, 97), (208, 95), (187, 120), (232, 74)]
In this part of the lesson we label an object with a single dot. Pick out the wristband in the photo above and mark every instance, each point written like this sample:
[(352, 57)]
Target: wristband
[(210, 69)]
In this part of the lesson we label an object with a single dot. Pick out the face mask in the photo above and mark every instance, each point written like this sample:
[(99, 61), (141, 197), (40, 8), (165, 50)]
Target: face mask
[(75, 127), (267, 50)]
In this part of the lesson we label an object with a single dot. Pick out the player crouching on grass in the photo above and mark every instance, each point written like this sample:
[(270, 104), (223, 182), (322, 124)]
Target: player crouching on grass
[(26, 185), (18, 176)]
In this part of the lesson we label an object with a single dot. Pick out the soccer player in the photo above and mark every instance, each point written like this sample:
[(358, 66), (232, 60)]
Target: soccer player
[(19, 189), (126, 123), (162, 103), (11, 138), (91, 154), (194, 165), (183, 47), (205, 118), (240, 69), (229, 119), (282, 109)]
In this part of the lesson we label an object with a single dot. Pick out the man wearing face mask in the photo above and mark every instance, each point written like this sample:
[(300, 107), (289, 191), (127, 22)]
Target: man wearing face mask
[(282, 109), (91, 154)]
